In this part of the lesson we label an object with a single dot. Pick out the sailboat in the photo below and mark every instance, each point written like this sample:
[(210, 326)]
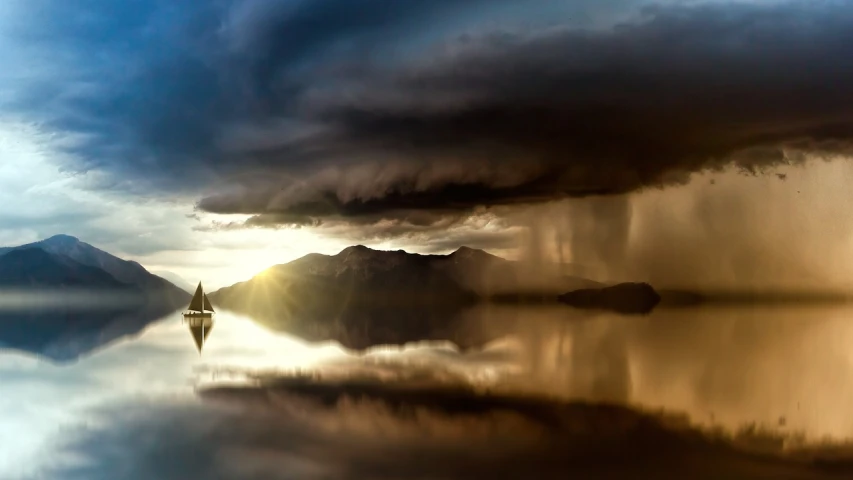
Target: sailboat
[(200, 306), (199, 316)]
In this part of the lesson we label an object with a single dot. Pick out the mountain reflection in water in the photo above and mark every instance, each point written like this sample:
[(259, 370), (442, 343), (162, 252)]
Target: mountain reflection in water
[(785, 370)]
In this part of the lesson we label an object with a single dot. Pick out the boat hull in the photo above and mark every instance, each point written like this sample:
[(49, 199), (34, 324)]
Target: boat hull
[(198, 316)]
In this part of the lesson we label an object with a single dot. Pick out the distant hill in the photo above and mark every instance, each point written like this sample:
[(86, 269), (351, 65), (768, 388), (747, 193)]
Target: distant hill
[(362, 297), (65, 261), (34, 267)]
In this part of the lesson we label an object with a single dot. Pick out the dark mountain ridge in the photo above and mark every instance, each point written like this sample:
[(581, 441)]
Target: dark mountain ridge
[(362, 297), (357, 276), (361, 276)]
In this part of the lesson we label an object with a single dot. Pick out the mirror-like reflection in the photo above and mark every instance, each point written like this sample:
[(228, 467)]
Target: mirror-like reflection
[(41, 399), (787, 370), (199, 329), (786, 366), (64, 335)]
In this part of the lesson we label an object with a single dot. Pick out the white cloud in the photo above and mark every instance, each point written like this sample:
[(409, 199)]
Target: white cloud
[(39, 200)]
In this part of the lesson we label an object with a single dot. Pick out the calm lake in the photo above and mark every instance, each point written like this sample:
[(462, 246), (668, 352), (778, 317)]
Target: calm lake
[(81, 403)]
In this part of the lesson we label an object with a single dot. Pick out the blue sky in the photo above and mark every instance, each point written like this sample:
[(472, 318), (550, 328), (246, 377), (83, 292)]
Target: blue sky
[(254, 132)]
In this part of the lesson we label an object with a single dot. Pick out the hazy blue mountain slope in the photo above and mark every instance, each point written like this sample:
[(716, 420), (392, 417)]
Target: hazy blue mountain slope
[(82, 254), (34, 267)]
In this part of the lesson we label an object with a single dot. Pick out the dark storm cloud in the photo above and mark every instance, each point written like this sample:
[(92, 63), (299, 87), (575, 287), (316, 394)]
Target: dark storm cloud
[(349, 110), (163, 92), (503, 240)]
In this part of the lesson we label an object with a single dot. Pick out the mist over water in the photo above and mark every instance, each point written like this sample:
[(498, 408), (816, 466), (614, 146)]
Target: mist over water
[(34, 299)]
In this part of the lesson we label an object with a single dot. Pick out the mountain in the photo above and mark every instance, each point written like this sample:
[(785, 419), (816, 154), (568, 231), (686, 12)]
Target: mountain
[(363, 276), (357, 276), (362, 297), (93, 298), (34, 267), (65, 261)]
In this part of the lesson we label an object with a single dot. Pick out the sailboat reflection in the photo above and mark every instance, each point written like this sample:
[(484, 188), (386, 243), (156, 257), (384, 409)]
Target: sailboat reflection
[(200, 328), (199, 316)]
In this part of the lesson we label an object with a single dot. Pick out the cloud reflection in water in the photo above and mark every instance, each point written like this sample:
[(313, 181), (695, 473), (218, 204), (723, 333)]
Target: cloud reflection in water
[(366, 427)]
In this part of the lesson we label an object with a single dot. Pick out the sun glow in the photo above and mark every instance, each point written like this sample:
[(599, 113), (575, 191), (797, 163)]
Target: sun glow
[(225, 257)]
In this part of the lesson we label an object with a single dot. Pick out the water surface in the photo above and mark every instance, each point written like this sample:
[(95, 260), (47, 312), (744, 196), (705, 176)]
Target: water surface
[(787, 369)]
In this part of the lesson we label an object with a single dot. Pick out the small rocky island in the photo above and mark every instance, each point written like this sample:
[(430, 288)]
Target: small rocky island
[(626, 298)]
